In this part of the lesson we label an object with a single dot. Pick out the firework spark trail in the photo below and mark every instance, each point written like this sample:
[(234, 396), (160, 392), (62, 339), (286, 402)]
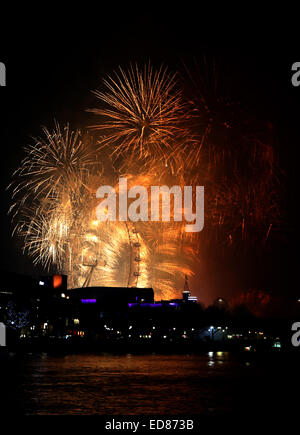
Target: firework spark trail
[(58, 159), (57, 167), (141, 115), (231, 155), (61, 229), (160, 138), (47, 193), (160, 265)]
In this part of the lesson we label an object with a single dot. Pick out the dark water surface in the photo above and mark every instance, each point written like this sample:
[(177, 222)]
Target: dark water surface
[(206, 384)]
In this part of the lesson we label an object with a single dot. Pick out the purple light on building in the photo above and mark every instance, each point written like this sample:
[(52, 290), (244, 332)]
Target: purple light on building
[(88, 301), (145, 304)]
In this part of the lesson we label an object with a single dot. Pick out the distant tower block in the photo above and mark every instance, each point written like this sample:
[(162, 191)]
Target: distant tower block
[(186, 291), (135, 258)]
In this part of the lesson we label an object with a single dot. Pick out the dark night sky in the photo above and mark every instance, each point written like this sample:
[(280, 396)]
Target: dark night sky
[(51, 67)]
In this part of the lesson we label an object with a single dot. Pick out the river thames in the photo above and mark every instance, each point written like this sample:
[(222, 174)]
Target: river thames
[(213, 383)]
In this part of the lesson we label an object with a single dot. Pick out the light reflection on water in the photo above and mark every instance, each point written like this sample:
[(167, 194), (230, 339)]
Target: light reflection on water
[(211, 383)]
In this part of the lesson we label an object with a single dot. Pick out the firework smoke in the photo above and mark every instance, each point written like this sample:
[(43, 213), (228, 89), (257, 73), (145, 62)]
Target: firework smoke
[(160, 134)]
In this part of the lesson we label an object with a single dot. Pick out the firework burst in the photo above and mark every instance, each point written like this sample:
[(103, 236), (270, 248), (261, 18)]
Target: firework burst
[(60, 158), (162, 136), (231, 154), (141, 115)]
